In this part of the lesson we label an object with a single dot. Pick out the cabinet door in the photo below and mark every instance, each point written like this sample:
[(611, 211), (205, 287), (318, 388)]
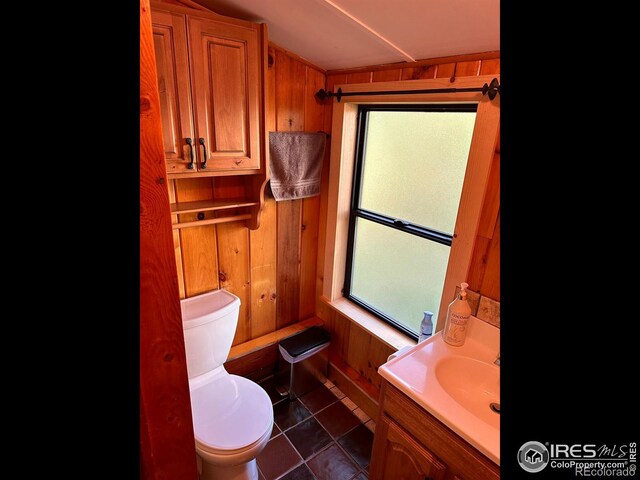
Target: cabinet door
[(399, 456), (225, 64), (172, 63)]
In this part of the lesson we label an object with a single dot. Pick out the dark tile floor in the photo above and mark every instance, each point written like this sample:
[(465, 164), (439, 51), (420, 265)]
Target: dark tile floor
[(322, 435)]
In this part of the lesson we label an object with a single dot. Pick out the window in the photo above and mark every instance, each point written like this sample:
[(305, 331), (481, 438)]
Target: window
[(410, 163)]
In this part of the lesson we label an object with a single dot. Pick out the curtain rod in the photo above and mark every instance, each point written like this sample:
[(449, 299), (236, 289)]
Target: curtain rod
[(491, 90)]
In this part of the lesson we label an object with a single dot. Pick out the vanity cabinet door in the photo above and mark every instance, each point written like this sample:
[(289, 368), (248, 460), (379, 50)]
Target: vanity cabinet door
[(398, 456), (172, 67), (225, 65)]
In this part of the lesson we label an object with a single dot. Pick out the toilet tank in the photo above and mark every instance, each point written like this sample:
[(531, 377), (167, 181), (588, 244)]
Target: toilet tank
[(209, 322)]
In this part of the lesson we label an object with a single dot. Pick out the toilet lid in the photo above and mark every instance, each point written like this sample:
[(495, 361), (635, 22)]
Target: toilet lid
[(230, 413)]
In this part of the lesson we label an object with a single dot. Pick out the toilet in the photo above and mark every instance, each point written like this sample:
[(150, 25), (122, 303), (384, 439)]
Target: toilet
[(232, 416)]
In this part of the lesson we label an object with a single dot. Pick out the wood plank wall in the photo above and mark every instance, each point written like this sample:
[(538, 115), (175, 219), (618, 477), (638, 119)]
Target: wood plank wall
[(277, 270), (272, 269), (353, 350)]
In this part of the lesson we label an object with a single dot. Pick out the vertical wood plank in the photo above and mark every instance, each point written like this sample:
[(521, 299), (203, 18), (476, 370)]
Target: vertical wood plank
[(290, 81), (445, 70), (491, 202), (290, 104), (263, 241), (167, 448), (171, 187), (490, 66), (341, 328), (419, 73), (491, 281), (233, 258), (264, 272), (313, 108), (468, 69), (233, 255), (358, 349), (333, 80), (362, 77), (377, 355), (387, 75), (199, 247), (313, 122), (478, 264), (289, 218)]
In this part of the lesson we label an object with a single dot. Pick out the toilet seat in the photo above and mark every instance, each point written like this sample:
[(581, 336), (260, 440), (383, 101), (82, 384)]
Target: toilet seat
[(231, 414)]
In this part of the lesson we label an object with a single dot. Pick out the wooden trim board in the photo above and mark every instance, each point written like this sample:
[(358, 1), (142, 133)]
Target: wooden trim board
[(271, 338)]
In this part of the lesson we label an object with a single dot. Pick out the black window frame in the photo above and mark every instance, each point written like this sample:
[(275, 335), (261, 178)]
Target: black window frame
[(396, 223)]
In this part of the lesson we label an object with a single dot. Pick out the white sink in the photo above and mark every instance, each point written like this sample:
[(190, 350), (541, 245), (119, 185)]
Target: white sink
[(473, 384), (457, 385)]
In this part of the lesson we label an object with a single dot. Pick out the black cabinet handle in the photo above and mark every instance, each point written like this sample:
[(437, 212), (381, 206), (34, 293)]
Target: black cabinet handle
[(190, 143), (204, 147)]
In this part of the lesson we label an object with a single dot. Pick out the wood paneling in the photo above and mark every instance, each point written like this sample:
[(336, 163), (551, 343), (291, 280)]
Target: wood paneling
[(490, 66), (490, 286), (198, 244), (419, 73), (445, 70), (419, 63), (387, 75), (176, 239), (313, 122), (281, 255), (289, 219), (263, 241), (362, 77), (468, 69), (263, 272), (166, 429), (234, 274), (290, 89)]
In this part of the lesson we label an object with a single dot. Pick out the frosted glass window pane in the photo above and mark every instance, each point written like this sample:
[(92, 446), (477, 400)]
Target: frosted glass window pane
[(397, 273), (414, 165)]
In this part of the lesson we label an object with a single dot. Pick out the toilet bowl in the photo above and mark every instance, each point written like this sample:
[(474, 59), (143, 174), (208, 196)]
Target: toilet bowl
[(232, 416)]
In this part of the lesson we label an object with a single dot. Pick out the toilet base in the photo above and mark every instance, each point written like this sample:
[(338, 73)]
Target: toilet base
[(244, 471)]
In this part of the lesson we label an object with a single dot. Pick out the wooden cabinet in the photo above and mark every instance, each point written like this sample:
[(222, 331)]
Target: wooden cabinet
[(211, 71), (226, 80), (410, 443), (172, 66), (404, 458)]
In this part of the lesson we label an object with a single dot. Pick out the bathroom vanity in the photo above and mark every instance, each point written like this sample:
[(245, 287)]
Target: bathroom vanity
[(438, 417)]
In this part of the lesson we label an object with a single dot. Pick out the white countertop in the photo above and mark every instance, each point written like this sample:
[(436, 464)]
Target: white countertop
[(468, 414)]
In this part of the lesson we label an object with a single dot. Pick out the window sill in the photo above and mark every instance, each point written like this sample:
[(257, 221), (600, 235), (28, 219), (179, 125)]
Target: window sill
[(369, 322)]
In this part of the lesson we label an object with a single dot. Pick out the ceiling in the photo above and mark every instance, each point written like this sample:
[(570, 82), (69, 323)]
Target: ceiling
[(336, 34)]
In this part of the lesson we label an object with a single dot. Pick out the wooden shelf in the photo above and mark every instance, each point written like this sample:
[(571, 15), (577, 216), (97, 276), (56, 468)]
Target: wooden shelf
[(208, 205), (212, 221)]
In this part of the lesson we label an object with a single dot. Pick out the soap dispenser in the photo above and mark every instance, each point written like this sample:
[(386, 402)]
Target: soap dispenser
[(458, 313), (426, 326)]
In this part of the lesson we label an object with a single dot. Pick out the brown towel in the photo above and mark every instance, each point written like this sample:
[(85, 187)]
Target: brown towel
[(296, 164)]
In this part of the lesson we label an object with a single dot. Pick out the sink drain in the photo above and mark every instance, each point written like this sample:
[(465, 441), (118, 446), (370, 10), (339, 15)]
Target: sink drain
[(495, 407)]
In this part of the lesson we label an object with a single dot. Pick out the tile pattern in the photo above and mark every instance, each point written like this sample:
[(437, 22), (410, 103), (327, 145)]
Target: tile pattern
[(489, 311), (322, 435), (484, 308)]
